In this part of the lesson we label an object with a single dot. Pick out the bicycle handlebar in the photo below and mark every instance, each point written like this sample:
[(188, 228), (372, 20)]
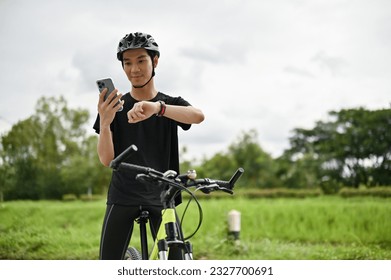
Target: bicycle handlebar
[(225, 186), (206, 185), (114, 164)]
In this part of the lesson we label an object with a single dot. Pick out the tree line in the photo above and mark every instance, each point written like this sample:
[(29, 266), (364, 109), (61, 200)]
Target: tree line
[(50, 154)]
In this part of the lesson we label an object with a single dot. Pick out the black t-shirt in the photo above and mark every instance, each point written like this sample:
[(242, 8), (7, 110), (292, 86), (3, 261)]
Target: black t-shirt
[(157, 141)]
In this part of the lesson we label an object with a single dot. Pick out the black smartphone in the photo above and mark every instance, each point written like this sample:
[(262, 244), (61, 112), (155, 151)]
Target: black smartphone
[(107, 83)]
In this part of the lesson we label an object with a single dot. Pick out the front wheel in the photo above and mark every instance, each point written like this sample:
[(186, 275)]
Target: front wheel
[(132, 254)]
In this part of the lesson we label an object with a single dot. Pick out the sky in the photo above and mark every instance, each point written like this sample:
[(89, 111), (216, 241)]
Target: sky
[(272, 66)]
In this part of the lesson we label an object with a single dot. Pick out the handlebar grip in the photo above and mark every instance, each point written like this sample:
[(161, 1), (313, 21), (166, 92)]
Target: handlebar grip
[(114, 164), (222, 184), (235, 177), (135, 168)]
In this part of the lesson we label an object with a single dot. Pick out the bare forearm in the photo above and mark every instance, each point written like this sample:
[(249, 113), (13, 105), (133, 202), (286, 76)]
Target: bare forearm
[(184, 114), (105, 146)]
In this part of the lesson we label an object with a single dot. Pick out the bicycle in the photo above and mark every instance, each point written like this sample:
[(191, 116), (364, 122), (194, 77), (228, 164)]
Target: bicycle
[(170, 233)]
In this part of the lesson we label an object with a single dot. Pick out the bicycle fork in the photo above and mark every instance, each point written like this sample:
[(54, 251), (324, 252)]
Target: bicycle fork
[(167, 237)]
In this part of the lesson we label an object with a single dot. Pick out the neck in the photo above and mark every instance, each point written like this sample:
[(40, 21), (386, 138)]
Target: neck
[(147, 92)]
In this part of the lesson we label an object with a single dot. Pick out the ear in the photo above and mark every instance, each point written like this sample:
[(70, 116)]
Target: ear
[(155, 61)]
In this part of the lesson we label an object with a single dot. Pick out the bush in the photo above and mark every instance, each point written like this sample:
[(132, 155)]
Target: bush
[(91, 197), (376, 192), (265, 193), (282, 192), (82, 197), (69, 197)]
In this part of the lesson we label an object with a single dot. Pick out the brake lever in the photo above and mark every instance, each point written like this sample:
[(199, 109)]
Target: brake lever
[(227, 190), (207, 189), (214, 187), (170, 174), (143, 178)]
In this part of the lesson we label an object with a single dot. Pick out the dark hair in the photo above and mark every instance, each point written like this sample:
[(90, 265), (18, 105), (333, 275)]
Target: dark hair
[(151, 54)]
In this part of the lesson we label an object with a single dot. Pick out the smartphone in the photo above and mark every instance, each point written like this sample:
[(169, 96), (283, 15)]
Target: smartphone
[(107, 83)]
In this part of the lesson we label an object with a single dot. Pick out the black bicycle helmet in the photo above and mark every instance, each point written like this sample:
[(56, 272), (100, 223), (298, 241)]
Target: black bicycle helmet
[(137, 40)]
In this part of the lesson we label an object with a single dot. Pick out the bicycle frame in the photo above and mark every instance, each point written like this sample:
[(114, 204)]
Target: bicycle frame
[(166, 236), (168, 217), (170, 234)]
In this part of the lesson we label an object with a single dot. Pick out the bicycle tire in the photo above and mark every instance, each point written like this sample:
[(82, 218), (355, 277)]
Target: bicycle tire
[(132, 254)]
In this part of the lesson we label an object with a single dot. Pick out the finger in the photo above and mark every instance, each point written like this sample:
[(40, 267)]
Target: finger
[(139, 115), (134, 120), (131, 119), (140, 107), (134, 116), (129, 114), (102, 94), (116, 100), (120, 105), (112, 96)]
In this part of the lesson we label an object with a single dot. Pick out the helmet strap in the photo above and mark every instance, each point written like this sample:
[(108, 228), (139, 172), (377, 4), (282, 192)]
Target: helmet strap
[(153, 74)]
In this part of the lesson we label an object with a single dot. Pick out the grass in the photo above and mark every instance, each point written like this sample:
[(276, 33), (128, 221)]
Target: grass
[(50, 230), (312, 228), (323, 228)]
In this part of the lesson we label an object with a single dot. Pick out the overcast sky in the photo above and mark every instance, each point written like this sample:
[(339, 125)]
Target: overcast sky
[(248, 64)]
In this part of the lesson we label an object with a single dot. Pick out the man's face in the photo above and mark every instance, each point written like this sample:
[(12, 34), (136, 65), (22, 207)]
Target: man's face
[(138, 66)]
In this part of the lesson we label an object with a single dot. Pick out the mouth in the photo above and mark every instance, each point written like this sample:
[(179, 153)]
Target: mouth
[(136, 81)]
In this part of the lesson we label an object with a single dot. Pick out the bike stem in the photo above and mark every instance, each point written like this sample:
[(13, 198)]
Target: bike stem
[(167, 197)]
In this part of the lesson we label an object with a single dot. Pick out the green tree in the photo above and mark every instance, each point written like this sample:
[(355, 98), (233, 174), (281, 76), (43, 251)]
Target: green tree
[(244, 152), (353, 148), (42, 154), (259, 166), (297, 174), (219, 166), (82, 173), (19, 161)]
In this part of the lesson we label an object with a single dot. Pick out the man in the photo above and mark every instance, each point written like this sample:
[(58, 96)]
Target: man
[(149, 120)]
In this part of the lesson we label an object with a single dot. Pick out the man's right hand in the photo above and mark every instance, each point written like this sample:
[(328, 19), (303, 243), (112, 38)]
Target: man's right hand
[(109, 107)]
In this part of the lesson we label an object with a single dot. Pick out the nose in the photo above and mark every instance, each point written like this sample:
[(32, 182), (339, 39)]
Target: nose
[(135, 68)]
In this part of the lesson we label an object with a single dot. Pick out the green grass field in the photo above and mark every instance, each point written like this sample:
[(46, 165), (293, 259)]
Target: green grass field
[(321, 228)]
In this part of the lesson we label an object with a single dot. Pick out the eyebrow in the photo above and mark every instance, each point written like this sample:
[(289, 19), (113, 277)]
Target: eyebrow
[(140, 56)]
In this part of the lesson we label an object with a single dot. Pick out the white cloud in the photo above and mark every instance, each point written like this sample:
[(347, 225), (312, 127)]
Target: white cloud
[(268, 65)]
